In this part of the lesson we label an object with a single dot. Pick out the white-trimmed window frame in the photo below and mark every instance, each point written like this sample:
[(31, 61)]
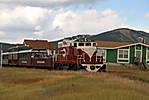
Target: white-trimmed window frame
[(140, 51), (147, 54), (104, 57), (123, 56)]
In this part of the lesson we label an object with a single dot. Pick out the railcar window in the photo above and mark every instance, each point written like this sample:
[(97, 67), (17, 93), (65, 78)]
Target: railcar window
[(5, 56), (94, 44), (81, 44), (10, 56), (15, 56), (24, 55), (75, 44), (87, 44), (39, 55)]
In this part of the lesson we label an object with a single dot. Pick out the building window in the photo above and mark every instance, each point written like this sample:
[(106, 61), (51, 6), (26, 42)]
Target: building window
[(123, 54), (101, 52), (138, 47), (148, 55)]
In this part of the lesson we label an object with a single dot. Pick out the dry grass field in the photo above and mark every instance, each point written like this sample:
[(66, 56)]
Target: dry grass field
[(119, 83)]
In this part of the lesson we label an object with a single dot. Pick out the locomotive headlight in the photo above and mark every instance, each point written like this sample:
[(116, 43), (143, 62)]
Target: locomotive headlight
[(92, 67)]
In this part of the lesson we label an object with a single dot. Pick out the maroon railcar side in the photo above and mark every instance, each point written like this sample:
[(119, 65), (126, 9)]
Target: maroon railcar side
[(28, 58)]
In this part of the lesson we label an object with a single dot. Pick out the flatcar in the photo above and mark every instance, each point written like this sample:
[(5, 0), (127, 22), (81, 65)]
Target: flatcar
[(77, 54), (26, 56)]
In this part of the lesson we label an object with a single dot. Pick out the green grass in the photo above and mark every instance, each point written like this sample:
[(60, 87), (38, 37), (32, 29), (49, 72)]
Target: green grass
[(40, 84)]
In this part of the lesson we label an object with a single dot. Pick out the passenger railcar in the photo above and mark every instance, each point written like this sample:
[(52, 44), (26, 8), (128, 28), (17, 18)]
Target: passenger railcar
[(79, 54), (26, 56)]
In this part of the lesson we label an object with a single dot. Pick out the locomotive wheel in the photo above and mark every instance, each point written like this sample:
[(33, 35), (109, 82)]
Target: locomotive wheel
[(70, 67), (75, 67), (60, 67)]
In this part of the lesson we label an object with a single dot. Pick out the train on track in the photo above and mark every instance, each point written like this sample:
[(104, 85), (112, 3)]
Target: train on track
[(77, 54)]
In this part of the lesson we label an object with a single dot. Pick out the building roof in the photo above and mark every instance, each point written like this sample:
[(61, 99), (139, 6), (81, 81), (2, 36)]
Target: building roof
[(109, 44), (52, 46), (37, 44), (19, 45)]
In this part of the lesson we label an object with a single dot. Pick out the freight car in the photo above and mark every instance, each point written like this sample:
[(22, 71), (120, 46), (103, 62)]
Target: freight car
[(79, 54), (26, 56)]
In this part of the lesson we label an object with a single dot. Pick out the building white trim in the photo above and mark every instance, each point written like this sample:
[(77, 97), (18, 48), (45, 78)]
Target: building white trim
[(140, 51), (147, 54), (104, 57), (124, 46), (123, 55)]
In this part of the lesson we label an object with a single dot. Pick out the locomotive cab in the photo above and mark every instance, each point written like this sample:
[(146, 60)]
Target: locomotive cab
[(88, 56)]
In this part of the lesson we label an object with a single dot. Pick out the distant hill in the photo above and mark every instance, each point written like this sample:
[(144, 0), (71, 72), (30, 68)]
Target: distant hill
[(122, 35)]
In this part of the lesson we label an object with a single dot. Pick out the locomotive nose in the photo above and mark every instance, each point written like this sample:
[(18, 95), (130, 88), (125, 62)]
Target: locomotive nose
[(95, 67)]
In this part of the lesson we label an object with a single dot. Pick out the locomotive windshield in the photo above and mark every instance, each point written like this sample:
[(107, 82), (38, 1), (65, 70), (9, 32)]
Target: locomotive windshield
[(84, 42), (87, 44)]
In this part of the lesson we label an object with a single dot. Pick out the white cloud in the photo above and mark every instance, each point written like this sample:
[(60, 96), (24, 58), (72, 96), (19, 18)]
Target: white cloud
[(49, 3), (1, 33), (21, 22), (38, 28), (146, 16), (23, 15), (88, 21)]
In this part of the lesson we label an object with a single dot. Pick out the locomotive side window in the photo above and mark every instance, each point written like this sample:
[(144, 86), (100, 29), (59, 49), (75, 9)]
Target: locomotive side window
[(94, 44), (75, 44), (81, 44), (87, 44)]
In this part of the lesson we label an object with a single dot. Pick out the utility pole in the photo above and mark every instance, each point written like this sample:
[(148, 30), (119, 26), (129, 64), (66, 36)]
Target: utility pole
[(1, 57)]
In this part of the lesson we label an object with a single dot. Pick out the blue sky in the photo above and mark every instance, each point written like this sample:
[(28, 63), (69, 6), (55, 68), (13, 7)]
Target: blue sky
[(56, 19), (133, 10)]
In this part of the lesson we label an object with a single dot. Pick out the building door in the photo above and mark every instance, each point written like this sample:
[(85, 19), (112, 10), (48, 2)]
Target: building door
[(138, 56), (138, 53)]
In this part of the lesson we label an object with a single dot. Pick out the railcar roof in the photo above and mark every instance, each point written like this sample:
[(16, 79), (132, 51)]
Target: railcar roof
[(19, 48)]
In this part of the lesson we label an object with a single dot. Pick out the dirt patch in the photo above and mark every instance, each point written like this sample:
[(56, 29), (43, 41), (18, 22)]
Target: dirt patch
[(121, 72), (26, 81)]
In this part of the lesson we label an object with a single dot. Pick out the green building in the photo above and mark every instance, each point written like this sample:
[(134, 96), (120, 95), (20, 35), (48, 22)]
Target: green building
[(125, 53)]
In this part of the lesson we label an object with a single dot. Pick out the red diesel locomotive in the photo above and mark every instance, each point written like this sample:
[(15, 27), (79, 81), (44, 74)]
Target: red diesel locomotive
[(77, 54)]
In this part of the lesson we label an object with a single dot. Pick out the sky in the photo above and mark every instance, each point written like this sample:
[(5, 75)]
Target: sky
[(56, 19)]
